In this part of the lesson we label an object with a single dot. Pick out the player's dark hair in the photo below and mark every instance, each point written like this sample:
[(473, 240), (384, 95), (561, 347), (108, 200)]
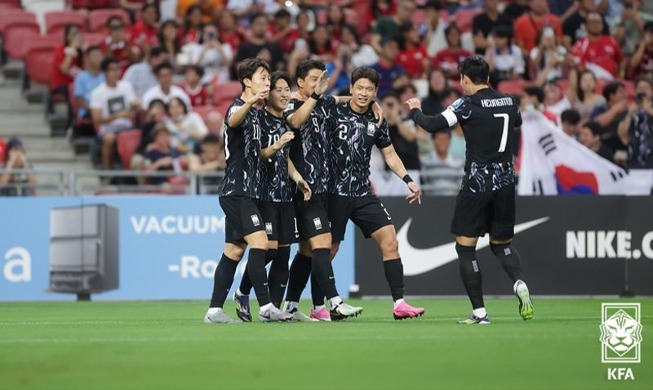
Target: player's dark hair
[(249, 66), (304, 67), (162, 66), (594, 127), (475, 68), (279, 75), (611, 88), (571, 116), (365, 72), (533, 90), (107, 61)]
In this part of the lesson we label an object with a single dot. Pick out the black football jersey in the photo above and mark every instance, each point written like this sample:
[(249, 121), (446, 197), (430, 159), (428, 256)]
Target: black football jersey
[(309, 149), (275, 180), (352, 137), (242, 146)]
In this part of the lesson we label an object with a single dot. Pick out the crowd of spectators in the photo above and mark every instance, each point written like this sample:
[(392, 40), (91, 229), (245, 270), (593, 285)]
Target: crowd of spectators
[(586, 64)]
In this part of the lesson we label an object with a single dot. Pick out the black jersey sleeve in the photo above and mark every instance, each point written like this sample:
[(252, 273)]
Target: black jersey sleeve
[(383, 136), (430, 123)]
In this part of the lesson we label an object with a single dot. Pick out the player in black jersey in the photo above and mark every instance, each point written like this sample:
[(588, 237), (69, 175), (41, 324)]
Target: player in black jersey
[(243, 222), (310, 154), (276, 193), (353, 132), (486, 201)]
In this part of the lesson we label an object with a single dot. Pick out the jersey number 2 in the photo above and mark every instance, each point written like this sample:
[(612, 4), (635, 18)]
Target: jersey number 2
[(504, 132)]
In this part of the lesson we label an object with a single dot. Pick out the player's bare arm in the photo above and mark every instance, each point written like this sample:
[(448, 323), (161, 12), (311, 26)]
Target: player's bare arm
[(277, 146), (299, 180), (239, 115), (397, 166), (299, 117), (430, 123)]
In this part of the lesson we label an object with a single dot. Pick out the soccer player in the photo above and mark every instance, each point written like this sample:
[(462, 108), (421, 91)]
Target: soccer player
[(244, 223), (309, 153), (353, 132), (486, 201), (276, 198)]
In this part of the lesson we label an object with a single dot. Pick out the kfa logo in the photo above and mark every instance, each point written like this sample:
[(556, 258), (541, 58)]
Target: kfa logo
[(621, 337)]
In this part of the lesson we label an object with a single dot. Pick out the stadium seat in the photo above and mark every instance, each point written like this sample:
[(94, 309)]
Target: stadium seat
[(128, 142), (10, 4), (97, 19), (16, 35), (91, 4), (93, 39), (56, 21), (39, 59), (226, 92), (513, 87), (630, 89), (465, 17), (15, 16)]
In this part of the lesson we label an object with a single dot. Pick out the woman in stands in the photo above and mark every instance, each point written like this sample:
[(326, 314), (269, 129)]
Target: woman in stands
[(582, 93), (192, 25), (68, 60), (169, 40), (187, 127)]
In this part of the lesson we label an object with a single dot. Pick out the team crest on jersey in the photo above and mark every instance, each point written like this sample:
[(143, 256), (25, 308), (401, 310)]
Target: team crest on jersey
[(317, 223), (268, 227), (371, 129), (291, 107), (255, 220)]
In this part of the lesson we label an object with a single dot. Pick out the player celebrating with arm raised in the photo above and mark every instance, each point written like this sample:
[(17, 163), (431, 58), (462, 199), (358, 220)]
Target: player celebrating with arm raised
[(353, 132), (243, 222), (276, 202), (486, 201)]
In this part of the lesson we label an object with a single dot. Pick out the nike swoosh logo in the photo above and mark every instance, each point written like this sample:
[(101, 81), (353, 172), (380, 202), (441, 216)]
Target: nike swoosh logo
[(467, 116), (418, 261)]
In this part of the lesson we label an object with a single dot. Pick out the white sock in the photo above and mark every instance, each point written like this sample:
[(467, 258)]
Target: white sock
[(480, 312), (290, 306), (265, 308), (213, 310), (399, 302), (239, 293), (318, 308), (335, 301)]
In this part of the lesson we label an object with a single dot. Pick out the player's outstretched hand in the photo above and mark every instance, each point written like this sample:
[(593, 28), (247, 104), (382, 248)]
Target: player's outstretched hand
[(378, 113), (322, 84), (285, 138), (261, 95), (413, 103), (305, 189), (415, 193)]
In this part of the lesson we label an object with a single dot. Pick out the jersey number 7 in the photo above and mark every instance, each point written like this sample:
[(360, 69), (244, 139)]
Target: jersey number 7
[(504, 133)]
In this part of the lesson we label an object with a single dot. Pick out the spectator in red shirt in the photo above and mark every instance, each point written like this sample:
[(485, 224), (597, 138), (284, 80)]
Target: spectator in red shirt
[(641, 62), (68, 60), (449, 58), (229, 33), (598, 52), (117, 45), (192, 25), (144, 32), (412, 54), (283, 34), (320, 44), (196, 91), (529, 25)]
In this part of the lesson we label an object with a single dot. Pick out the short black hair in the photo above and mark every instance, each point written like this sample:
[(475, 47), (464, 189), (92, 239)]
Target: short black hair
[(476, 68), (162, 66), (181, 101), (279, 75), (502, 31), (107, 61), (92, 48), (611, 88), (256, 16), (195, 68), (643, 77), (533, 90), (594, 127), (571, 116), (211, 139), (391, 94), (448, 92), (304, 67), (433, 4), (365, 72), (282, 13), (157, 51), (249, 66)]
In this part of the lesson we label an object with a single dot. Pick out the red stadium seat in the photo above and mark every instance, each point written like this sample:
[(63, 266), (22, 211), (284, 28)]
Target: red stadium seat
[(223, 107), (39, 60), (226, 92), (465, 17), (513, 87), (91, 4), (93, 39), (10, 4), (15, 37), (15, 16), (128, 142), (56, 21), (97, 19)]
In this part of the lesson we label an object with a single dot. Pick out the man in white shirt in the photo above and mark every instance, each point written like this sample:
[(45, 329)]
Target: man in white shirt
[(141, 75), (113, 108), (164, 90)]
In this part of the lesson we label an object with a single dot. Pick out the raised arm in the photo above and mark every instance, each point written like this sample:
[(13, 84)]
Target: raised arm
[(238, 116), (277, 146), (299, 117), (431, 123)]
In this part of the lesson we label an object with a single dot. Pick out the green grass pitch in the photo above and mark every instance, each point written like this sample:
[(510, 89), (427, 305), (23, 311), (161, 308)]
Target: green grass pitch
[(165, 345)]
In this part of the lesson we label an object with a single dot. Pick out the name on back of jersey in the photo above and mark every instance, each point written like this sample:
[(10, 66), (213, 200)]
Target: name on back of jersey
[(500, 102)]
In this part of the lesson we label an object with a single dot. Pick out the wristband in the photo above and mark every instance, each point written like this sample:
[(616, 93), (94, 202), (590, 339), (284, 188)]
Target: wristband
[(315, 96), (407, 179)]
